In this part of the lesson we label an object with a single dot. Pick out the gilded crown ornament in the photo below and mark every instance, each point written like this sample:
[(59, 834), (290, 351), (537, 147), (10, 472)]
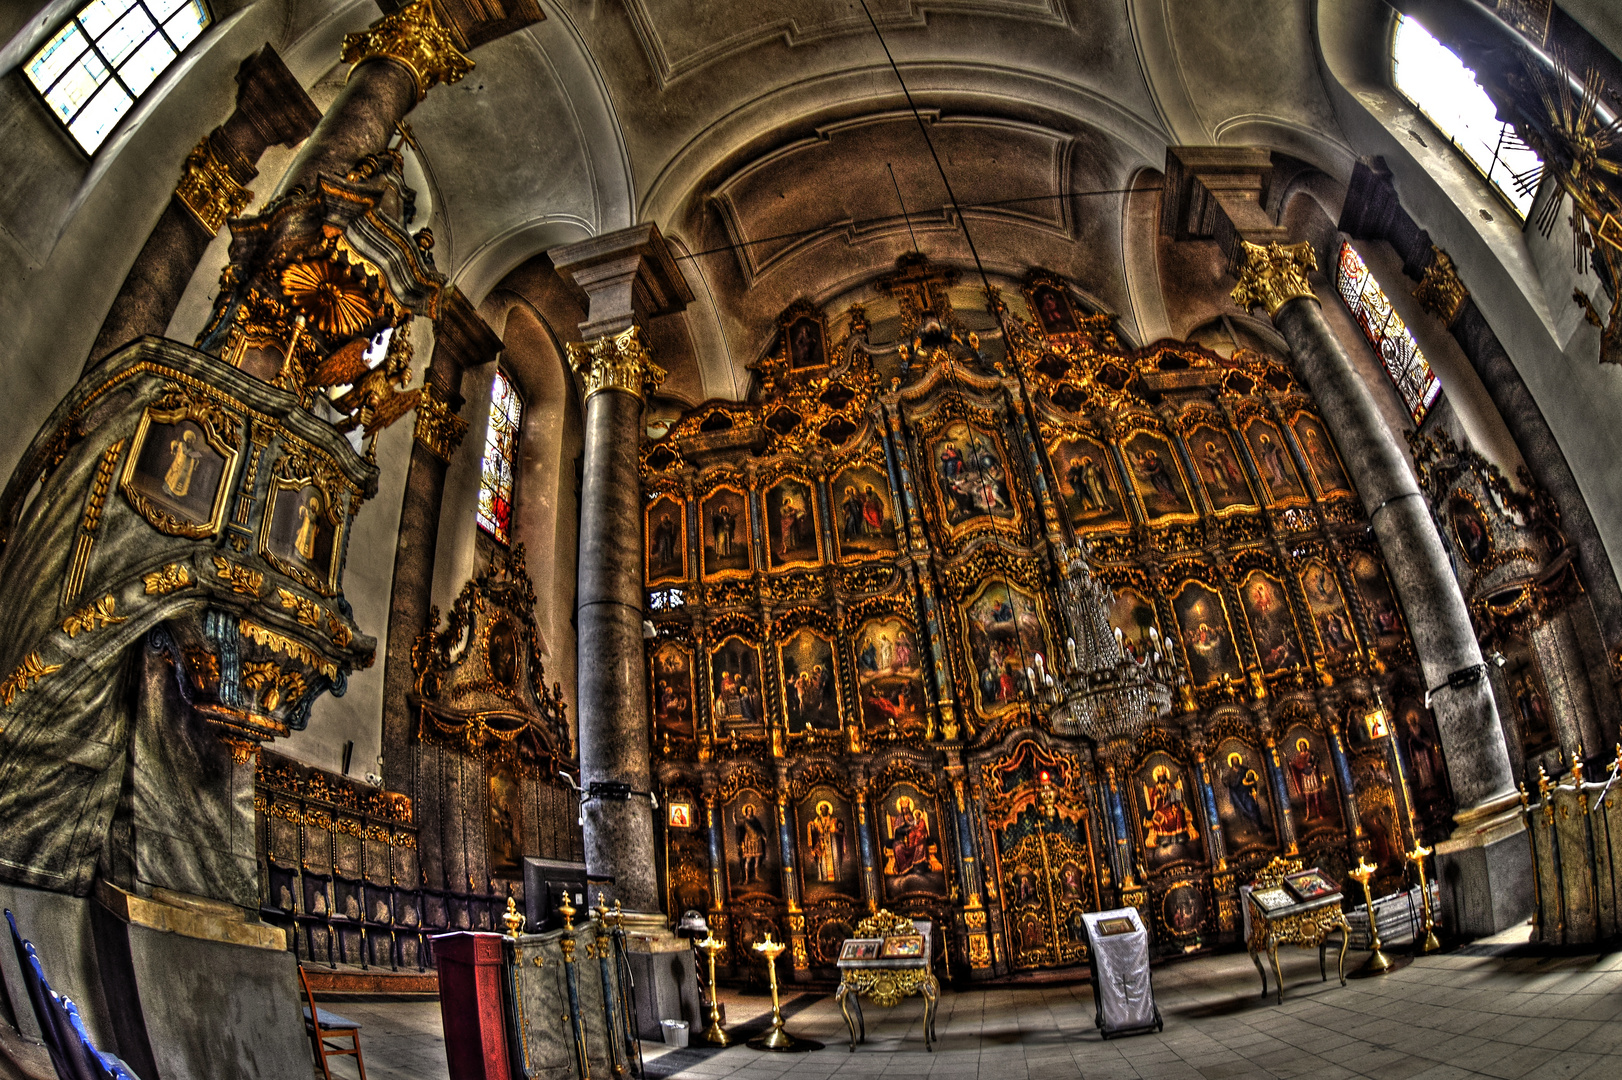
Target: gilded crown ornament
[(415, 38), (1272, 276), (616, 362)]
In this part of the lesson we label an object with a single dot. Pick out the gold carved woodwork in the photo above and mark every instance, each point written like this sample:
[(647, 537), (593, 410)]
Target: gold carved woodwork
[(99, 487), (306, 611), (29, 672), (439, 430), (273, 684), (208, 189), (163, 582), (416, 39), (1272, 276), (616, 362), (93, 617), (221, 431), (1440, 291), (240, 578), (288, 647), (889, 986)]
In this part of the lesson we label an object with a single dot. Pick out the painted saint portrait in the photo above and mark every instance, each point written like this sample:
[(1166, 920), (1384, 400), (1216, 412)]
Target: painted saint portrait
[(1087, 483), (911, 843), (1273, 461), (829, 863), (889, 676), (1328, 607), (1470, 531), (1239, 782), (1183, 908), (1207, 634), (810, 693), (176, 477), (1268, 611), (971, 474), (1320, 455), (665, 524), (501, 655), (806, 345), (1309, 778), (1133, 616), (1422, 751), (302, 530), (864, 523), (791, 524), (735, 679), (1533, 709), (725, 524), (672, 694), (505, 827), (1158, 477), (1218, 465), (1378, 601), (1005, 634), (750, 839), (1052, 309), (1167, 819)]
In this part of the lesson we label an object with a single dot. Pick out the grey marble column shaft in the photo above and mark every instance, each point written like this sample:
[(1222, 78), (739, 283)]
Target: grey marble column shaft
[(1438, 621), (613, 696)]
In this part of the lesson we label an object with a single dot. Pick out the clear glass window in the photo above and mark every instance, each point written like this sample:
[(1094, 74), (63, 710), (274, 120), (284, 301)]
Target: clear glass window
[(1389, 335), (93, 69), (1428, 74), (500, 455)]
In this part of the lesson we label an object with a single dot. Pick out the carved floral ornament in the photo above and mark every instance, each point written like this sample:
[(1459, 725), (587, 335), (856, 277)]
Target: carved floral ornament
[(415, 38), (616, 362), (208, 189), (1272, 276)]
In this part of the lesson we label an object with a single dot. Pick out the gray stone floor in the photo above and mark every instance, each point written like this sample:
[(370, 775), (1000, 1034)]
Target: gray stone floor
[(1440, 1017)]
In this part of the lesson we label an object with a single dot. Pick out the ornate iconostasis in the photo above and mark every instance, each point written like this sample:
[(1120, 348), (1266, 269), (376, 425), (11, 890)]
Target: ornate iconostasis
[(854, 581)]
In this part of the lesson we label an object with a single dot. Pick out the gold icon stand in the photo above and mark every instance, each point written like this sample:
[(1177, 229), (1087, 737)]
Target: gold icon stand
[(775, 1038), (1378, 962), (715, 1034), (1427, 944)]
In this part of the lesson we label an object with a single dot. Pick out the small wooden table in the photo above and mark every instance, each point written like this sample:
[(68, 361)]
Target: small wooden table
[(888, 980), (1305, 924)]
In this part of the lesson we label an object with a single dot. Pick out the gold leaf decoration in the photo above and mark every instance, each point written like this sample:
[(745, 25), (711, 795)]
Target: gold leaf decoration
[(93, 617), (29, 672), (328, 293), (162, 582), (242, 580)]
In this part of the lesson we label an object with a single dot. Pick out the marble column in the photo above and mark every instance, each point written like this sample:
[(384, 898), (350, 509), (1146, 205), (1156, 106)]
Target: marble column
[(628, 277), (1489, 855), (271, 109)]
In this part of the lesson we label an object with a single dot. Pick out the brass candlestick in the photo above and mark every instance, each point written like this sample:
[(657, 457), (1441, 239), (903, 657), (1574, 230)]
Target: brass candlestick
[(1428, 944), (715, 1034), (1378, 962), (775, 1037)]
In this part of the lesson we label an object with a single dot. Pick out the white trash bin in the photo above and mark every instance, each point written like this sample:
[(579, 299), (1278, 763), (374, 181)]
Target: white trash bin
[(675, 1032)]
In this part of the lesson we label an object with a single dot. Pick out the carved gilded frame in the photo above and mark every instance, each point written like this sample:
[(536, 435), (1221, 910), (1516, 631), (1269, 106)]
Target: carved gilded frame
[(870, 459), (173, 408), (813, 486), (657, 497), (748, 531), (817, 628), (986, 424), (297, 468)]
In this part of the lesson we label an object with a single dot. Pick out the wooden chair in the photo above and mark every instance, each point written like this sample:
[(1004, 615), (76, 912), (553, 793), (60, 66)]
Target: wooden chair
[(323, 1025)]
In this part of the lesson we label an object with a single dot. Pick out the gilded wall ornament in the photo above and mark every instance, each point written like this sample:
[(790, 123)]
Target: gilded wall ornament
[(93, 617), (616, 362), (439, 430), (163, 582), (1440, 291), (415, 38), (208, 189), (29, 672), (1272, 276)]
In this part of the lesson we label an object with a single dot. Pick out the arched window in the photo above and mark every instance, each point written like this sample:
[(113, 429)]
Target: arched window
[(95, 68), (500, 454), (1428, 74), (1389, 335)]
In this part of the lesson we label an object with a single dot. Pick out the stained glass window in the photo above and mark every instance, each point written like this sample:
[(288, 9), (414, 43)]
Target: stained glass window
[(500, 454), (1428, 74), (93, 69), (1389, 335)]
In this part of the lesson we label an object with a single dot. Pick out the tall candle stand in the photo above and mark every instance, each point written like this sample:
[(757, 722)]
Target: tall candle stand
[(715, 1034), (775, 1038), (1427, 944), (1378, 962)]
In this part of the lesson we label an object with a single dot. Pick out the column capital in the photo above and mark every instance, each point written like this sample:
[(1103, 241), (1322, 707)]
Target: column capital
[(413, 37), (1272, 276), (438, 429), (209, 189), (616, 362)]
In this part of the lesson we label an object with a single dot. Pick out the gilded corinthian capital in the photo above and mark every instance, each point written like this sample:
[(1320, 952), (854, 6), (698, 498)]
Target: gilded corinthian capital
[(415, 38), (208, 189), (616, 362), (1273, 275)]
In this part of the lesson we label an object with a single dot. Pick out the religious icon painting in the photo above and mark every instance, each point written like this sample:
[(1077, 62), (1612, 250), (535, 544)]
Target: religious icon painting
[(1422, 749), (889, 676), (750, 840), (176, 473), (1207, 634), (1167, 820), (1158, 477), (672, 692), (1471, 533), (680, 815), (1532, 709), (1309, 778), (1267, 609), (1052, 309), (1243, 807), (1183, 909), (725, 530), (1087, 483), (1134, 617), (502, 662), (735, 689), (1308, 885), (1004, 627), (1328, 607), (970, 472), (1378, 601), (791, 524), (805, 660), (301, 534), (1321, 456), (1272, 456), (911, 842), (665, 526), (830, 865), (864, 523), (1217, 463), (504, 828), (806, 339)]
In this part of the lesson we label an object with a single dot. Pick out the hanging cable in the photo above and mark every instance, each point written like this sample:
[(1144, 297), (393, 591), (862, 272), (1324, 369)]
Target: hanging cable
[(904, 215)]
